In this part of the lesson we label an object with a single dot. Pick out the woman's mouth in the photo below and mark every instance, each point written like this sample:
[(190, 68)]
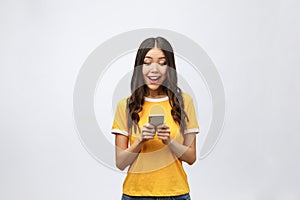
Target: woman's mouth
[(153, 79)]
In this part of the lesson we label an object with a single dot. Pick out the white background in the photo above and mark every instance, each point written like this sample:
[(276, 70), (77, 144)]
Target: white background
[(253, 43)]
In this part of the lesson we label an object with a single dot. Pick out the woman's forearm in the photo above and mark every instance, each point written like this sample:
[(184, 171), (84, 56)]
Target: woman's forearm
[(182, 152), (186, 151), (125, 157)]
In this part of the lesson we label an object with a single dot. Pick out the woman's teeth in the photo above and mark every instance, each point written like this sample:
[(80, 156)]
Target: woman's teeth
[(153, 78)]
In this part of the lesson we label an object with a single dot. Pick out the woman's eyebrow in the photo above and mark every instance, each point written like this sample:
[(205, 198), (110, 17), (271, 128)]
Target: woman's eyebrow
[(158, 58)]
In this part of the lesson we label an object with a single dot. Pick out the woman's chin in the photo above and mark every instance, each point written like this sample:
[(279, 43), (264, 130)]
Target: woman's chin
[(153, 87)]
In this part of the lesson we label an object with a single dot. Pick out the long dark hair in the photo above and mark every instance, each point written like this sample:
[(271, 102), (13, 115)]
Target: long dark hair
[(139, 89)]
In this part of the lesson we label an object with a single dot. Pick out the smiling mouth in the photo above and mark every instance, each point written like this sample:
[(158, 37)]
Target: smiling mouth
[(153, 78)]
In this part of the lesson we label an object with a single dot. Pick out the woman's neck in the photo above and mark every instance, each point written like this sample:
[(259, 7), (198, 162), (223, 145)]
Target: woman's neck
[(156, 94)]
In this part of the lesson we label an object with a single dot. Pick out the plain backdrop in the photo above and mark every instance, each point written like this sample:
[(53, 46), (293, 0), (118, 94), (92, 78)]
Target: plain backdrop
[(253, 43)]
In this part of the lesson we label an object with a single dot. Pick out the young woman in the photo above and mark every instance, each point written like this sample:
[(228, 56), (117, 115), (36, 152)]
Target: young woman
[(154, 154)]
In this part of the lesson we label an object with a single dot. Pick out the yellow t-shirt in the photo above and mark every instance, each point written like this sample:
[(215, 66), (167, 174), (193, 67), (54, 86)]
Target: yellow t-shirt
[(156, 171)]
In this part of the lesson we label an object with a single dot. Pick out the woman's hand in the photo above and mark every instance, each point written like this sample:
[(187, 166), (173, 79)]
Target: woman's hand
[(148, 132), (163, 133)]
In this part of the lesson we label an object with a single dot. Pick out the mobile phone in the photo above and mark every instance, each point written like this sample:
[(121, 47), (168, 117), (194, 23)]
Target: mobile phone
[(156, 119)]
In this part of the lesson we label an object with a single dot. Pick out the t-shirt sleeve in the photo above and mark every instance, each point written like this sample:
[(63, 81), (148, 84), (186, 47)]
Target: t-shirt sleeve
[(192, 124), (120, 120)]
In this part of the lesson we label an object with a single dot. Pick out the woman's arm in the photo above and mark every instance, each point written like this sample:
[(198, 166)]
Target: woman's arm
[(126, 155), (186, 151)]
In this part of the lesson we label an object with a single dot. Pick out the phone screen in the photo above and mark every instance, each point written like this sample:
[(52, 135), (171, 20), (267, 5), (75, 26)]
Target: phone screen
[(156, 119)]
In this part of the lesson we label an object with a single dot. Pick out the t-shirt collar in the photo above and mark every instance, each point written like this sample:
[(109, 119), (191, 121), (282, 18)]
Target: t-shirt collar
[(156, 99)]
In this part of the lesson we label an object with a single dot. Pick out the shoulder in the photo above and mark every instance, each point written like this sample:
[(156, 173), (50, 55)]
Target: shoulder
[(186, 97), (122, 103)]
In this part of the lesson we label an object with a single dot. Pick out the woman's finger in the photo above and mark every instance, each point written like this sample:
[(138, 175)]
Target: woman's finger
[(163, 134), (162, 126), (149, 134), (150, 126), (163, 131), (148, 131)]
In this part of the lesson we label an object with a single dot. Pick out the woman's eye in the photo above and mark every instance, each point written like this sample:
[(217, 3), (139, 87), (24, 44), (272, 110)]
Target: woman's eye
[(162, 64), (147, 63)]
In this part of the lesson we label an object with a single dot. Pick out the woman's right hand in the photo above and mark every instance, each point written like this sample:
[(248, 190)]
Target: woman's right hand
[(148, 132)]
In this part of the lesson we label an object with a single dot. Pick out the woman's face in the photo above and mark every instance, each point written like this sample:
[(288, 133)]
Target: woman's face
[(154, 68)]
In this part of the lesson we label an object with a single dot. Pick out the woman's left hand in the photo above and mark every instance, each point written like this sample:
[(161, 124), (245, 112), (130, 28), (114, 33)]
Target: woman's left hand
[(163, 133)]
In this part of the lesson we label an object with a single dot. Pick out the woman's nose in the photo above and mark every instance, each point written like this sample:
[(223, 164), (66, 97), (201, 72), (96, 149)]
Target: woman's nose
[(154, 67)]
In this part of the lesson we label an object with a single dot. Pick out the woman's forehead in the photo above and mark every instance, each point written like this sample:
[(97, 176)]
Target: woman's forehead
[(155, 53)]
